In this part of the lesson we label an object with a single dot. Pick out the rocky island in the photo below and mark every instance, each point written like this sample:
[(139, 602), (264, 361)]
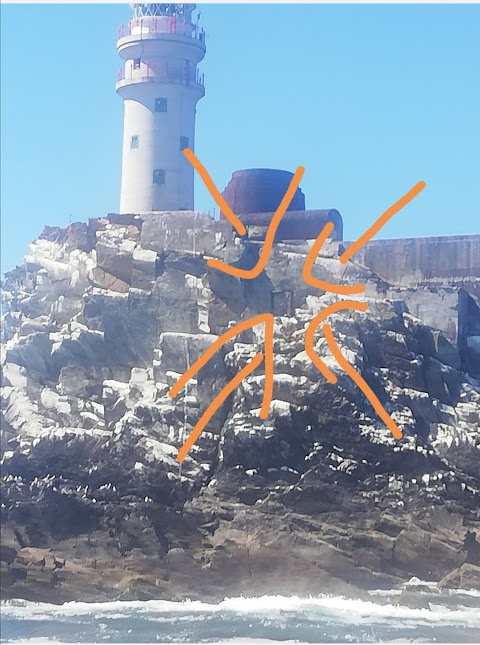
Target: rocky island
[(101, 320)]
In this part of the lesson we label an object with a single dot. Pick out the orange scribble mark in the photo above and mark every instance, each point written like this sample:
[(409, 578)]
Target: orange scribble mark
[(341, 360), (314, 325), (319, 318), (216, 403), (366, 389), (346, 290), (267, 356), (310, 261), (381, 221), (215, 193), (268, 319), (247, 274)]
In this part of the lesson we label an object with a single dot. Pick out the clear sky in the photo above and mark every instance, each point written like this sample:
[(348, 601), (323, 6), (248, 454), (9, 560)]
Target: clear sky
[(370, 99)]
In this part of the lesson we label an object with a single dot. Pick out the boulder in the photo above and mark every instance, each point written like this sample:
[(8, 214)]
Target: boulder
[(467, 576)]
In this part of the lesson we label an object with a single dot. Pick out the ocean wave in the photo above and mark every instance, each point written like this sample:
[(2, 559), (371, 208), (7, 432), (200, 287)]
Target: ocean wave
[(226, 641), (341, 609)]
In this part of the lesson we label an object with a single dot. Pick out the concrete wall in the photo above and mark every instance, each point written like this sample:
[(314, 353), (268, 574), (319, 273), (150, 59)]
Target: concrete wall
[(434, 276), (424, 260)]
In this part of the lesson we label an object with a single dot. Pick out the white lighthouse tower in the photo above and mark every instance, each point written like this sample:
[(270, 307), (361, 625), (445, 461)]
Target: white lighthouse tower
[(160, 86)]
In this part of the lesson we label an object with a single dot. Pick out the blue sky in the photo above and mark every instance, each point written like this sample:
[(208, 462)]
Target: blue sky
[(370, 99)]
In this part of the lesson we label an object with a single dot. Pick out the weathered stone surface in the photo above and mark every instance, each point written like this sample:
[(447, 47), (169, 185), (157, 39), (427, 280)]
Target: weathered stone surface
[(7, 554), (105, 280), (102, 321), (417, 261), (145, 268), (193, 231), (116, 260), (465, 577)]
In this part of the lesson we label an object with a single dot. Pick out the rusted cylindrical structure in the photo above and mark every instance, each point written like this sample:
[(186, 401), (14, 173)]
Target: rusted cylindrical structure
[(260, 190)]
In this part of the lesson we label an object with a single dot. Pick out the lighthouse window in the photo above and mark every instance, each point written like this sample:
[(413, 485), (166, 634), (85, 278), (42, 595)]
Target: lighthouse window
[(160, 105), (136, 63), (134, 141), (159, 176), (183, 143)]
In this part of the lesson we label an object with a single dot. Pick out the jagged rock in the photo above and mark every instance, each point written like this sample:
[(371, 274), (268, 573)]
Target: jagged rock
[(446, 352), (33, 352), (7, 554), (103, 319), (465, 577), (80, 236), (105, 280), (145, 268), (116, 260), (413, 600), (194, 232)]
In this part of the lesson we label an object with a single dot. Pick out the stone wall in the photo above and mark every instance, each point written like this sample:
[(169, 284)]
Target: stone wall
[(437, 277), (424, 260)]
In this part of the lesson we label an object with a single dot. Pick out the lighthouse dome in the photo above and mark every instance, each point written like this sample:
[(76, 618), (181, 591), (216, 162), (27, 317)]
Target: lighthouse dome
[(161, 9)]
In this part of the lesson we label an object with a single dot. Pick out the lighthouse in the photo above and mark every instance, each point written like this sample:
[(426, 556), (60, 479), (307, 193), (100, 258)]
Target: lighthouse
[(160, 85)]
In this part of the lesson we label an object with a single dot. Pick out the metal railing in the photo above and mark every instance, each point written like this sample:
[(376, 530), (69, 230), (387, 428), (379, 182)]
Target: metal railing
[(161, 25), (162, 74)]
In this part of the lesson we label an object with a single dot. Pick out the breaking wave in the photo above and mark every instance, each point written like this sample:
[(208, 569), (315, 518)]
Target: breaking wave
[(446, 616)]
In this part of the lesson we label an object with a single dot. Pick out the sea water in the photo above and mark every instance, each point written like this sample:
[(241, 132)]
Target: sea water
[(442, 617)]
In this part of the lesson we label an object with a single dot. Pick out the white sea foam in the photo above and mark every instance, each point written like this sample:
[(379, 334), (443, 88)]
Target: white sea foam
[(343, 610), (227, 641)]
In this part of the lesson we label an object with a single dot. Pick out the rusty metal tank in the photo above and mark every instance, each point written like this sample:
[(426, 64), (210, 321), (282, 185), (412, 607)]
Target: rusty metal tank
[(260, 190), (254, 195)]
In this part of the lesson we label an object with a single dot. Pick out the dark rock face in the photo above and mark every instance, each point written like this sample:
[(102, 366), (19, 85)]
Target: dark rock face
[(98, 326)]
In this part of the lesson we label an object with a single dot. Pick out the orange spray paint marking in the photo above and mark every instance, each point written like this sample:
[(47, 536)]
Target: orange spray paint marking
[(314, 325), (268, 321), (381, 221), (215, 193), (216, 403), (366, 389), (310, 261), (249, 274)]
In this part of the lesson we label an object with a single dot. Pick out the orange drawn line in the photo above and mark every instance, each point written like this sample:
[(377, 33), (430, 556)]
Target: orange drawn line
[(355, 376), (249, 274), (313, 326), (310, 261), (381, 221), (216, 403), (215, 193), (268, 319)]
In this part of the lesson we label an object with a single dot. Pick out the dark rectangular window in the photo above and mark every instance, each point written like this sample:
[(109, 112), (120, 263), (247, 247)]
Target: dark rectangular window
[(134, 141), (183, 143), (136, 63), (159, 176), (160, 105)]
